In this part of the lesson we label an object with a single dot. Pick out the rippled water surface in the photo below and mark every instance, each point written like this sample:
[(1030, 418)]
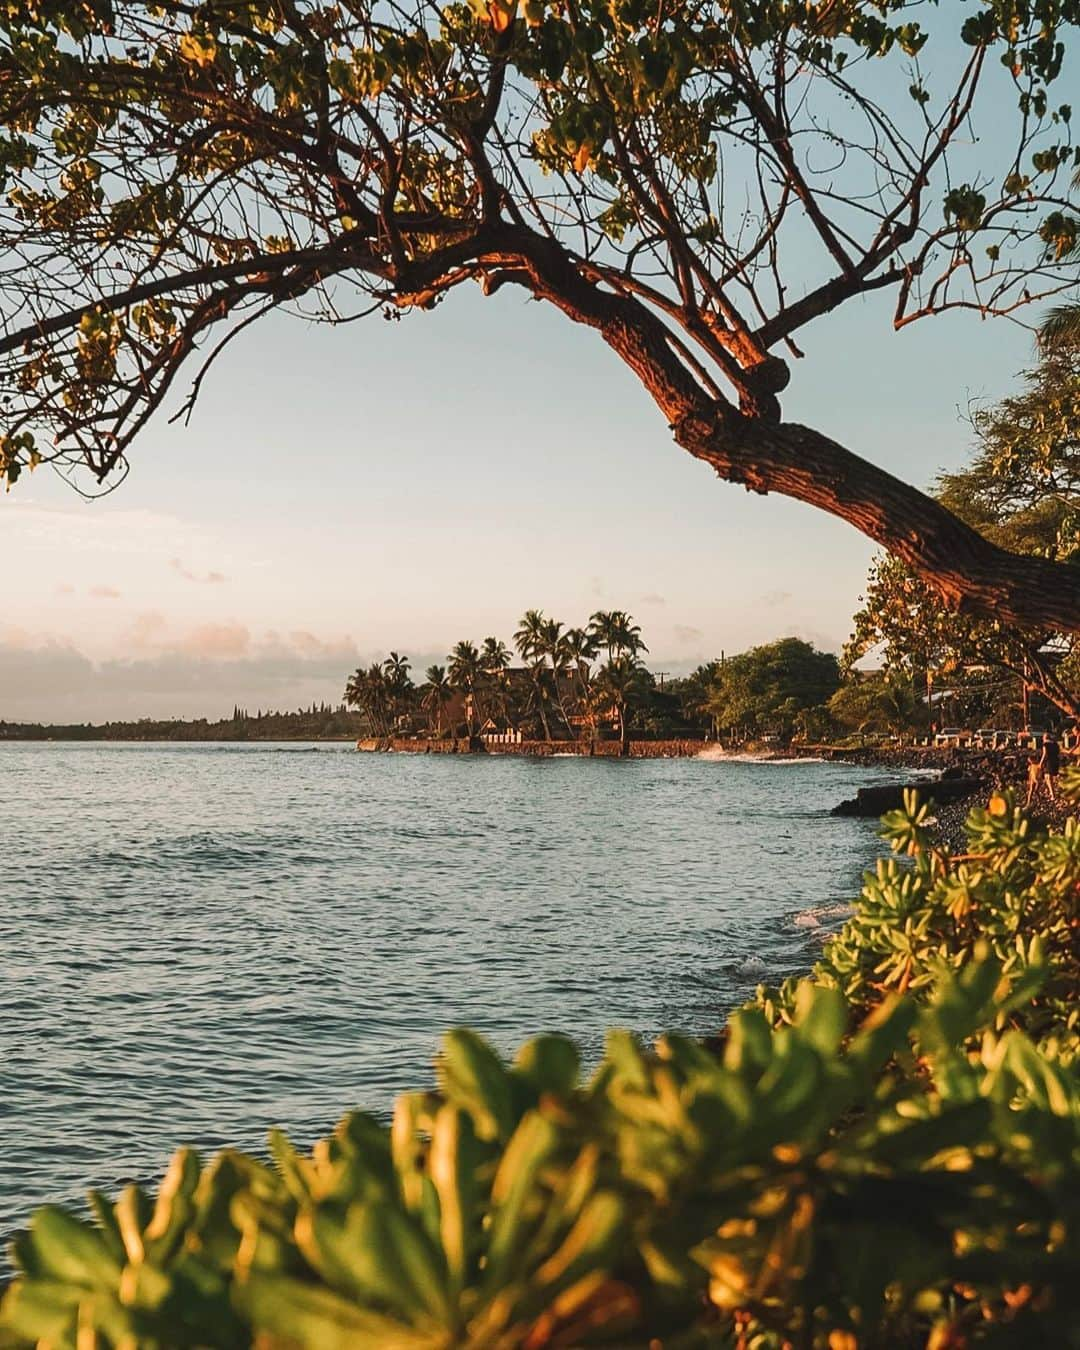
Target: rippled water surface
[(199, 941)]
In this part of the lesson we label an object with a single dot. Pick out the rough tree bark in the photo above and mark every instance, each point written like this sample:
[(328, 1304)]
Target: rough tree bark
[(964, 568), (752, 446)]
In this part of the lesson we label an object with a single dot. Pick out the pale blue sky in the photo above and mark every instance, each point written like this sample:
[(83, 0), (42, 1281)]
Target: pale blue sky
[(342, 492), (402, 485)]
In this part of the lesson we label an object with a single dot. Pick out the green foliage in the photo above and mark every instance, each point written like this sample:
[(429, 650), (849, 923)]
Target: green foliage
[(875, 703), (887, 1154), (1012, 896), (192, 167), (1021, 491), (766, 688)]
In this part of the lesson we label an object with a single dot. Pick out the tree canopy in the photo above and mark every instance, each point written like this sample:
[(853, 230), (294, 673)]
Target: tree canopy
[(697, 185), (1021, 490), (766, 688)]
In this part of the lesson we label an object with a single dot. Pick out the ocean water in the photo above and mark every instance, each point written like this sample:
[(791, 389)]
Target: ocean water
[(199, 941)]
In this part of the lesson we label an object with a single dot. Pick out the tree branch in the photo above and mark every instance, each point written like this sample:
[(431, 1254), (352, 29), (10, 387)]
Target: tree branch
[(965, 569)]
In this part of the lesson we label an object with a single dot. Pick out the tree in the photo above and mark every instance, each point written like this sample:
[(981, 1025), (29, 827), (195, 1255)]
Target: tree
[(495, 663), (399, 685), (557, 651), (530, 640), (1022, 491), (881, 701), (494, 656), (622, 683), (435, 695), (694, 693), (1061, 327), (368, 690), (696, 185), (616, 631), (766, 688), (465, 671), (580, 650)]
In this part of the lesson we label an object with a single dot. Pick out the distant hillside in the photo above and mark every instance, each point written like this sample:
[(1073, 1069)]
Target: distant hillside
[(317, 723)]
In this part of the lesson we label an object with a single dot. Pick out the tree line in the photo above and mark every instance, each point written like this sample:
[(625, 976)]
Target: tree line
[(573, 682)]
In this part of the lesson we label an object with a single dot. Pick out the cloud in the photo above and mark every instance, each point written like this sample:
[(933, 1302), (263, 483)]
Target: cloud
[(200, 578), (201, 673), (684, 633), (65, 588), (104, 592), (651, 598), (771, 599), (224, 641)]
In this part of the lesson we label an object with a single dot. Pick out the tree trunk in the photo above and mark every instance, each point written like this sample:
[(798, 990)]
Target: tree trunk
[(1040, 676), (624, 732), (969, 572), (541, 710), (755, 448)]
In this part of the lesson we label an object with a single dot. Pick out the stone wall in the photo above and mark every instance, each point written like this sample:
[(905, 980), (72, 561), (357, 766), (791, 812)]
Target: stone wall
[(674, 749)]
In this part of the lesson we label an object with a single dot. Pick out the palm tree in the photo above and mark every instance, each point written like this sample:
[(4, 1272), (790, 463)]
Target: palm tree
[(399, 686), (622, 683), (367, 690), (355, 688), (553, 646), (1061, 328), (617, 631), (397, 669), (465, 671), (530, 642), (494, 656), (437, 693), (580, 648), (529, 638), (494, 663)]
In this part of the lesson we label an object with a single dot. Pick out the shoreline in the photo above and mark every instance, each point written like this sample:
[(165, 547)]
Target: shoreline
[(684, 747)]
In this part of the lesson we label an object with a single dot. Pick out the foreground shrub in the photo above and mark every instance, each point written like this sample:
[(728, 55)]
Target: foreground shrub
[(924, 912), (853, 1166)]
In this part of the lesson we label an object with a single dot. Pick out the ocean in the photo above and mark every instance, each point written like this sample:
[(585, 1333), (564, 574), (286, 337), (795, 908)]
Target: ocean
[(200, 941)]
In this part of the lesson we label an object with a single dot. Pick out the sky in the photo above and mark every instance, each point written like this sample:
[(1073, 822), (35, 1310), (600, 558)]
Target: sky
[(342, 492)]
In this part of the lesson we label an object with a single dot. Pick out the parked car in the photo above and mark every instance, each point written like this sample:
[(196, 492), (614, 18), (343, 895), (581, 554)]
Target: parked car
[(956, 736), (992, 738)]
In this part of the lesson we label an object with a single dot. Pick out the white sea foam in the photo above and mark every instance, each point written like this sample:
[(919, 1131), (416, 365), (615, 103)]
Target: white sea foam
[(716, 752), (816, 914)]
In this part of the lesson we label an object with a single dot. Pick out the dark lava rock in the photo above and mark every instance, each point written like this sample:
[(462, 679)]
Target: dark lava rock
[(875, 801)]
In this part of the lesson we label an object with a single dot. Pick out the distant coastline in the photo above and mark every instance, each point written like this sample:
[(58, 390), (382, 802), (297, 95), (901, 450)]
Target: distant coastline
[(317, 723), (344, 728)]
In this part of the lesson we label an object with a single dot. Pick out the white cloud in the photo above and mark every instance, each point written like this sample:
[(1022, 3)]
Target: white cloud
[(198, 673)]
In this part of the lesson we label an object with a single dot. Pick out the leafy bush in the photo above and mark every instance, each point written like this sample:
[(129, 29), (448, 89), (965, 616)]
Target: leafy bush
[(1013, 892), (853, 1165)]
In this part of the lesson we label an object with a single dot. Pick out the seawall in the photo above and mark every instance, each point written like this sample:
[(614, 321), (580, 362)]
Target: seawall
[(673, 749)]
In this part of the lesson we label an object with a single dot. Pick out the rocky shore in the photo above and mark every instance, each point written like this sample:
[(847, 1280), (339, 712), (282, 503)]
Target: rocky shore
[(966, 779)]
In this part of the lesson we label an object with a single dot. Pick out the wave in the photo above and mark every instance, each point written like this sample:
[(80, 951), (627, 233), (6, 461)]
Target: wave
[(716, 752), (816, 914)]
